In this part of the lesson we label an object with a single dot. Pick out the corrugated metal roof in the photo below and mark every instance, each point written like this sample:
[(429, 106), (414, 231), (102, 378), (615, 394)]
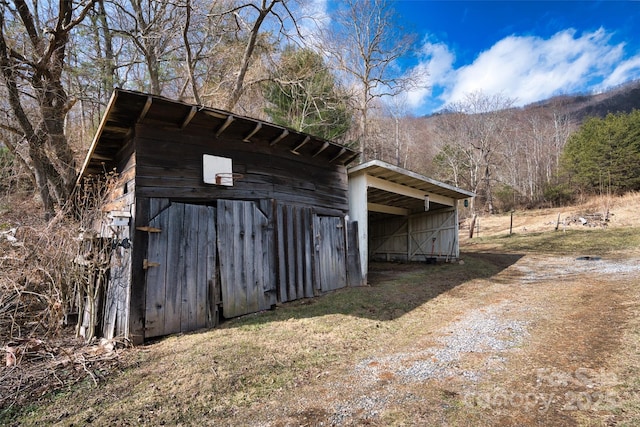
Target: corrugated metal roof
[(127, 108)]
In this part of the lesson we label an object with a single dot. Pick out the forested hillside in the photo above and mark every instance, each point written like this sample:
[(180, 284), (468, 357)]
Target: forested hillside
[(60, 64), (511, 157), (622, 99)]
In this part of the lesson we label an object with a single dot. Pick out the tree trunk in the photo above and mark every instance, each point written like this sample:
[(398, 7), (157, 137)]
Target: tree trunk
[(54, 105), (51, 158), (189, 59), (473, 225), (246, 57), (487, 179)]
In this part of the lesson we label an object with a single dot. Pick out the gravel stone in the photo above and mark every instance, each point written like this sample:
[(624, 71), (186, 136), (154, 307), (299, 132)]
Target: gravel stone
[(480, 331)]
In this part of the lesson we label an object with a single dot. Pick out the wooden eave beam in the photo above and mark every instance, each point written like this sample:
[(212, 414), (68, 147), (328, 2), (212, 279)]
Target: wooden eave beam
[(351, 158), (94, 144), (337, 156), (225, 125), (145, 109), (189, 117), (386, 209), (404, 190), (129, 134), (295, 150), (280, 137), (215, 114), (100, 157), (321, 149), (253, 132)]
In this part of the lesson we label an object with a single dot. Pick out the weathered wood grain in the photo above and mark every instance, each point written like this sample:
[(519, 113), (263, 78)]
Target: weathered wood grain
[(167, 169), (190, 244), (156, 145), (175, 259), (139, 241), (415, 237), (205, 255), (330, 252), (242, 230), (354, 270), (156, 276)]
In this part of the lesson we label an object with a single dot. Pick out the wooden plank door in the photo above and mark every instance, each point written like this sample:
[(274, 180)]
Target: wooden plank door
[(246, 255), (181, 259), (294, 226), (331, 269)]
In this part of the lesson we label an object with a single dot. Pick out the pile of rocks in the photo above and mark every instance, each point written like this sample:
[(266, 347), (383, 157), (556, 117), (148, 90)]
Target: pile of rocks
[(597, 219)]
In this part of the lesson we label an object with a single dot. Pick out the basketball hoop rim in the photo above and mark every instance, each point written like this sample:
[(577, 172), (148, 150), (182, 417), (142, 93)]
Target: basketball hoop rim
[(232, 175)]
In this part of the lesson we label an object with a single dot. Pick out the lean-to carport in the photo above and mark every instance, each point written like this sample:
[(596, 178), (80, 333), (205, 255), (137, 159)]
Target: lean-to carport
[(402, 215)]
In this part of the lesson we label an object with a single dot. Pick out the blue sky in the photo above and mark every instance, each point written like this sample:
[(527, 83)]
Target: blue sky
[(525, 50)]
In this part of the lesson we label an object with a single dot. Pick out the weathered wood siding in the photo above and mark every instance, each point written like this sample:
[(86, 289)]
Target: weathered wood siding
[(246, 258), (277, 235), (120, 198), (294, 227), (251, 254), (242, 248), (330, 241), (414, 238), (166, 168), (115, 321), (180, 264)]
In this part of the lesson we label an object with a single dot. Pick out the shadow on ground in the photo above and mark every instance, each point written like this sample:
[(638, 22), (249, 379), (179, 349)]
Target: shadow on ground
[(394, 289)]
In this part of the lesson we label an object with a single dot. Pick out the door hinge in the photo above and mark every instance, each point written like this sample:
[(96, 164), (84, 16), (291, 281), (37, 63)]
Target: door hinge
[(149, 229), (146, 264)]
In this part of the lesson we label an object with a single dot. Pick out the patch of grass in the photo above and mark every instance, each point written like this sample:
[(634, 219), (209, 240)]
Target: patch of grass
[(395, 289), (183, 378), (590, 241), (265, 364)]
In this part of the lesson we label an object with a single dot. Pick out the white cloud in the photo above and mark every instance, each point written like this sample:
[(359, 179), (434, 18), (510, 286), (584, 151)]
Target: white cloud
[(625, 71), (313, 19), (437, 63), (530, 68)]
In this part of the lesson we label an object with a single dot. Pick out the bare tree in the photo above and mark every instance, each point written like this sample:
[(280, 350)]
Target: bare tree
[(364, 47), (189, 60), (421, 148), (476, 130), (153, 28), (253, 22), (32, 62), (402, 130)]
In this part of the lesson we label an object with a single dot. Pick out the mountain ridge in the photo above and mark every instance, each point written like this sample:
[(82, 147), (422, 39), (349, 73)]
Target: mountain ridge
[(620, 99)]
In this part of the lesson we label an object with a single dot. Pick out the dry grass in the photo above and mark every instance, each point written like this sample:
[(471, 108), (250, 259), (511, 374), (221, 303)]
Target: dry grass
[(623, 212), (326, 361)]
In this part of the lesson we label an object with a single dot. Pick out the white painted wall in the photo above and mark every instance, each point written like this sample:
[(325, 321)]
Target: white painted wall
[(358, 212)]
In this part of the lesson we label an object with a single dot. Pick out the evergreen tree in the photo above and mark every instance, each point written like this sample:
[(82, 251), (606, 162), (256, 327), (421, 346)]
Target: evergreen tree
[(303, 95), (605, 154)]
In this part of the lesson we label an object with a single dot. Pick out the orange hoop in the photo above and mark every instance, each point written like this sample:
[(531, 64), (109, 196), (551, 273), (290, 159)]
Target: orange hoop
[(229, 175)]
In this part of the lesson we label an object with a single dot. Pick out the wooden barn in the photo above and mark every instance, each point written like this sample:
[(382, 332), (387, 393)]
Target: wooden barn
[(215, 215), (403, 216)]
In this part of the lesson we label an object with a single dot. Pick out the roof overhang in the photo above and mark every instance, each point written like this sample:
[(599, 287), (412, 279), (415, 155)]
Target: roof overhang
[(397, 191), (126, 109)]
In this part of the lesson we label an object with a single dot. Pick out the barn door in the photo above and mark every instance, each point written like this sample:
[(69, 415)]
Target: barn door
[(331, 269), (246, 254), (294, 226), (180, 267)]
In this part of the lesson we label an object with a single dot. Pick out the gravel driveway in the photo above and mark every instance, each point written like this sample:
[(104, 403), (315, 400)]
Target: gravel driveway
[(512, 356)]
